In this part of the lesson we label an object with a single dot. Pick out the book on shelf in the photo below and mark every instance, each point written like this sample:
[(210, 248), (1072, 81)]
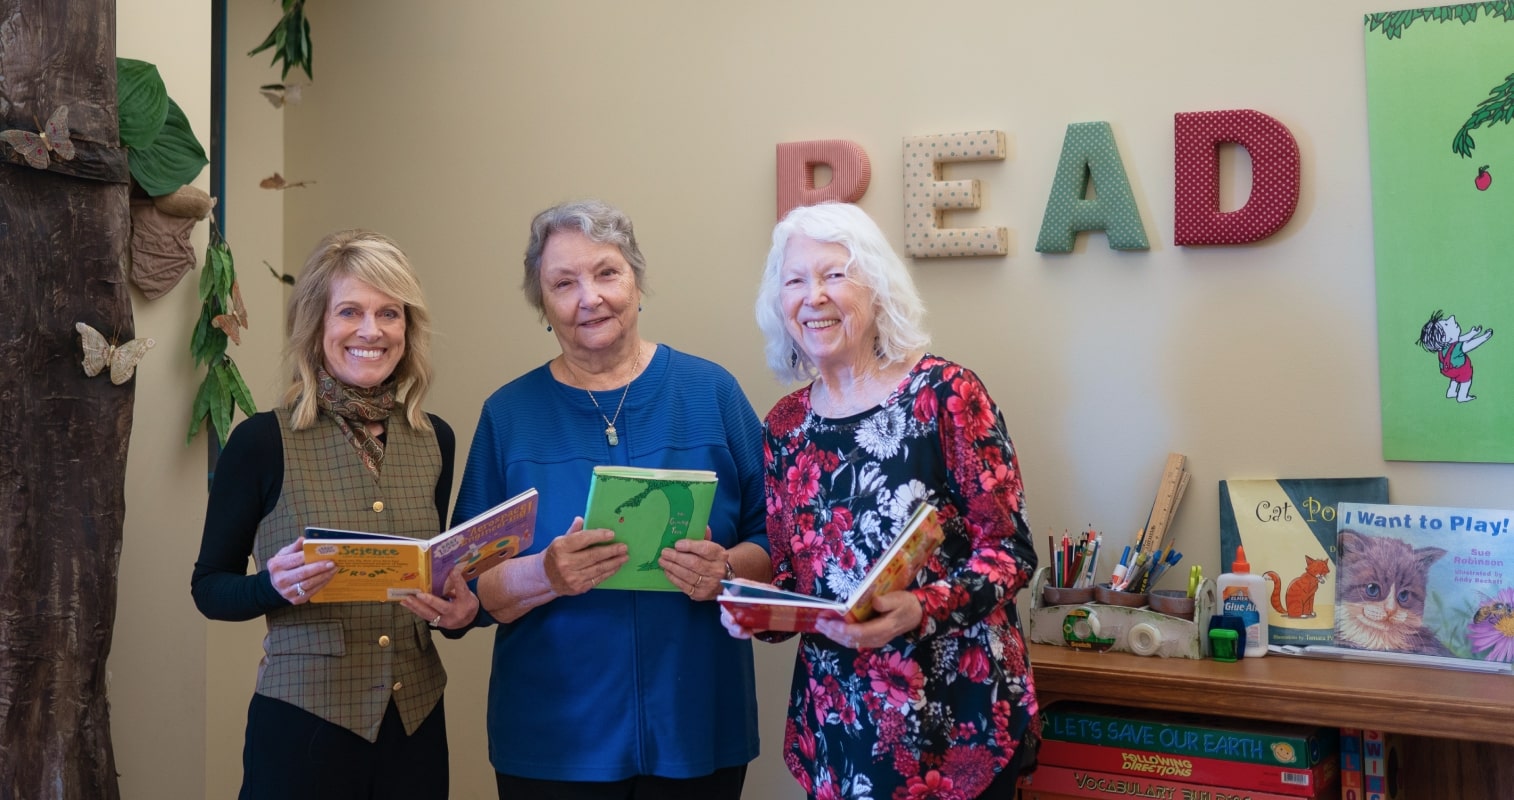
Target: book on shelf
[(648, 509), (1277, 744), (1288, 526), (382, 567), (1351, 764), (1426, 582), (1117, 760), (1079, 782), (1379, 765), (764, 607)]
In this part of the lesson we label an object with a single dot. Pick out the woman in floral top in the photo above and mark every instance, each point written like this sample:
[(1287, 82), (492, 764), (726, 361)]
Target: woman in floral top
[(932, 697)]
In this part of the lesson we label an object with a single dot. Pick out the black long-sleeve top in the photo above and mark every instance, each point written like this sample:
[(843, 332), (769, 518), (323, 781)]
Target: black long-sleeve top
[(248, 480)]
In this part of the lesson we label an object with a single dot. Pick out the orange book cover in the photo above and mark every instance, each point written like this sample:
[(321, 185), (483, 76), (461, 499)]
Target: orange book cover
[(380, 567), (764, 607)]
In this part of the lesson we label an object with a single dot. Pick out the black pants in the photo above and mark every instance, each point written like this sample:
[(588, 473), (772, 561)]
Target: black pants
[(292, 754), (722, 784)]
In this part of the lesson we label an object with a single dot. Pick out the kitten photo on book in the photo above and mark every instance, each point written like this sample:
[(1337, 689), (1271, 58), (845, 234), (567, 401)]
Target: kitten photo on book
[(1425, 581)]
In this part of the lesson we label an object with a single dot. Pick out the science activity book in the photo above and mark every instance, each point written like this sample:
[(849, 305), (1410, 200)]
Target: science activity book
[(377, 566)]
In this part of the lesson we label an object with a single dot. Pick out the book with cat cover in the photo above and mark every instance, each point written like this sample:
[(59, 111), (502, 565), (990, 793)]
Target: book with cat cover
[(1426, 581), (1287, 526), (378, 566), (765, 607), (648, 509)]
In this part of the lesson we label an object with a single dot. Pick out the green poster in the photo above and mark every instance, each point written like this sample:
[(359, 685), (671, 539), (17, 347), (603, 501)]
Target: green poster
[(1440, 97)]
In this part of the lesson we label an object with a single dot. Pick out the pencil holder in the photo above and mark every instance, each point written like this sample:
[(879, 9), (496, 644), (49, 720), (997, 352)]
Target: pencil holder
[(1114, 597), (1172, 602), (1061, 596), (1101, 626)]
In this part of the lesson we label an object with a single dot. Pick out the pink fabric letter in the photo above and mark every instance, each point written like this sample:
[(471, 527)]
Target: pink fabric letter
[(1196, 177), (850, 171)]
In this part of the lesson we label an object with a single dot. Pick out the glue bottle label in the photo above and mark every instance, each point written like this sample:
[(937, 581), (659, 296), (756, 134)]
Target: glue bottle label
[(1238, 602)]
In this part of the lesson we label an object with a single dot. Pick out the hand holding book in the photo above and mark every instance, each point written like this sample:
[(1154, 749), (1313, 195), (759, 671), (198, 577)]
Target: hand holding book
[(454, 608)]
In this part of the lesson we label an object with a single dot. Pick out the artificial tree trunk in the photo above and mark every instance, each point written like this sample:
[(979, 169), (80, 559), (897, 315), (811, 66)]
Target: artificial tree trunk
[(63, 436)]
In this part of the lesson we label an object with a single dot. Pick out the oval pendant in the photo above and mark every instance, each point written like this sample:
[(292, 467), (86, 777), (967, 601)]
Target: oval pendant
[(611, 436)]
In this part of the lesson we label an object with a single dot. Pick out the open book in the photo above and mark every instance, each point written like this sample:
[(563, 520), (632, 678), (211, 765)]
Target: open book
[(764, 607), (378, 566), (649, 509)]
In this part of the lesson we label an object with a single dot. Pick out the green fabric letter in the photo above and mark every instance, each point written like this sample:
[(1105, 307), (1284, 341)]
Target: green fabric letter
[(1088, 151)]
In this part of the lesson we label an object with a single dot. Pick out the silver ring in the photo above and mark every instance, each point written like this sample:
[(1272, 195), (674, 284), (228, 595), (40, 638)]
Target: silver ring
[(298, 589), (437, 622)]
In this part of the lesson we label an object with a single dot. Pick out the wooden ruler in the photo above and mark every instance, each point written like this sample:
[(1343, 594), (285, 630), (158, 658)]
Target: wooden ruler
[(1169, 494)]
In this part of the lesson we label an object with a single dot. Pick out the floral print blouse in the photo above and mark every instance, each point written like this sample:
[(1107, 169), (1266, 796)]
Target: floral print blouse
[(939, 711)]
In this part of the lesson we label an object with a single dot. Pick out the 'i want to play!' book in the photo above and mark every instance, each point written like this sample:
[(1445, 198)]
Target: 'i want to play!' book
[(1426, 581), (648, 509), (376, 566), (764, 607)]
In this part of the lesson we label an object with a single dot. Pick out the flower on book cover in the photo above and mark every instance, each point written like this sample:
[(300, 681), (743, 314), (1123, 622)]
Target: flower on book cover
[(1491, 631)]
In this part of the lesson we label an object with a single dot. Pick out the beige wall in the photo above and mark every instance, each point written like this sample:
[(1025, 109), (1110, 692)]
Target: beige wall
[(448, 125)]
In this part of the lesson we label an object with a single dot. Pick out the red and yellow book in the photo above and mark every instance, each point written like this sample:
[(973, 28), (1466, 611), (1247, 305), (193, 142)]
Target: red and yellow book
[(764, 607), (1083, 783), (1116, 760)]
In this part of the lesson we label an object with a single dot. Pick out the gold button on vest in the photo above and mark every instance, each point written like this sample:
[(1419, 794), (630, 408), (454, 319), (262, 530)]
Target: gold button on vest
[(384, 641), (398, 685), (378, 505)]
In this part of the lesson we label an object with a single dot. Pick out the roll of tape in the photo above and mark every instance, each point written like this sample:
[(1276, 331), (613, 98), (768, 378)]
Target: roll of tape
[(1145, 639)]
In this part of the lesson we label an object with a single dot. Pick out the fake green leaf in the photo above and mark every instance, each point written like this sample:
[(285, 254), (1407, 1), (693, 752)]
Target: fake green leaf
[(289, 40), (173, 159), (239, 391), (201, 405), (141, 102)]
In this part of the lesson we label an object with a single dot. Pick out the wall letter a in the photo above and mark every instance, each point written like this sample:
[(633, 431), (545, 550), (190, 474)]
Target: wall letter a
[(1089, 149), (850, 172), (1196, 177)]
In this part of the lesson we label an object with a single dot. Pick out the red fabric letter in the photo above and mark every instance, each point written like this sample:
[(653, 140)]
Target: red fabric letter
[(850, 172), (1196, 177)]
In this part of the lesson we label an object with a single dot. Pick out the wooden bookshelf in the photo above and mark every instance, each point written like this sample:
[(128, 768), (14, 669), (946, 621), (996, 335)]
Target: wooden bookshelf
[(1458, 726)]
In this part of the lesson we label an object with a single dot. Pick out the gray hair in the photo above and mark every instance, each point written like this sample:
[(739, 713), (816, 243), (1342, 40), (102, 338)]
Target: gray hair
[(595, 219), (873, 266)]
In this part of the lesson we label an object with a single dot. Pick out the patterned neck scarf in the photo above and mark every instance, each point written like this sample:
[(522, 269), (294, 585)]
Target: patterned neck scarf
[(353, 409)]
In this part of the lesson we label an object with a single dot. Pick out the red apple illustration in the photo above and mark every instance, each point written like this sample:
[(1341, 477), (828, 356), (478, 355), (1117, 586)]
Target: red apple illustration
[(1484, 178)]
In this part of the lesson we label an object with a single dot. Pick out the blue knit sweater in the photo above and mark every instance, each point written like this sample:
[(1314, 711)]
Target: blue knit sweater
[(610, 684)]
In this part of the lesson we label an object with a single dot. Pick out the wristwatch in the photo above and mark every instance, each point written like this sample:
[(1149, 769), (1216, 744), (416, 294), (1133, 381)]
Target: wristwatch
[(730, 574)]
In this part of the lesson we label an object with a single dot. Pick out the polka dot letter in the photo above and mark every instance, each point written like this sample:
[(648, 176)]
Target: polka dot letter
[(1196, 177), (927, 197), (1089, 150)]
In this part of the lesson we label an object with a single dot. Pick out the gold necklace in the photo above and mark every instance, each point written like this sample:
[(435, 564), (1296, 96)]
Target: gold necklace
[(611, 435)]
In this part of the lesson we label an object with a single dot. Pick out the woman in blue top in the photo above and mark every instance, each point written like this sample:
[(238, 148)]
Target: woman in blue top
[(614, 694)]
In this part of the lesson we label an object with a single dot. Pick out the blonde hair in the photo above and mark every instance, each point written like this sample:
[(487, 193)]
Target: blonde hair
[(377, 261)]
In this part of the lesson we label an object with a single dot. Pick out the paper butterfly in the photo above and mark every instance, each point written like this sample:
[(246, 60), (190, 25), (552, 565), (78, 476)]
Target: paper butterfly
[(122, 358), (282, 94), (277, 181), (34, 146), (233, 323)]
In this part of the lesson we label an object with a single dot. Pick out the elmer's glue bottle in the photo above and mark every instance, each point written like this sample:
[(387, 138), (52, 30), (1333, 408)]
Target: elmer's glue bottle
[(1244, 595)]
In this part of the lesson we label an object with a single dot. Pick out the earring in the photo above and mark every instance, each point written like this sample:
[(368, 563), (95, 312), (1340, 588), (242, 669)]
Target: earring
[(638, 308), (877, 348), (549, 329), (793, 356)]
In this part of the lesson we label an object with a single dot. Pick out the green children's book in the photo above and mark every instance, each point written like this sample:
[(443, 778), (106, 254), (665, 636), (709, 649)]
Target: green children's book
[(648, 509)]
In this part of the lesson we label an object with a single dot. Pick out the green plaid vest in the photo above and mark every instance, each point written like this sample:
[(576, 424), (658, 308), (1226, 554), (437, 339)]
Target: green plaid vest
[(344, 662)]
